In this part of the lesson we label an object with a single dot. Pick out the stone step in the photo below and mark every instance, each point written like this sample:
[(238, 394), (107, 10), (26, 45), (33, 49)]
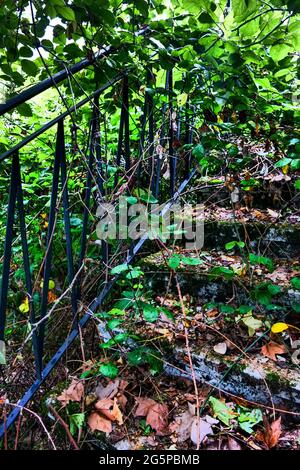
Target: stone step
[(276, 192), (247, 376), (269, 239), (264, 232), (241, 280), (256, 379)]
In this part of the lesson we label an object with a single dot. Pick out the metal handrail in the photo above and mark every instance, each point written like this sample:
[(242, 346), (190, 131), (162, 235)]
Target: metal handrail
[(54, 121), (59, 77)]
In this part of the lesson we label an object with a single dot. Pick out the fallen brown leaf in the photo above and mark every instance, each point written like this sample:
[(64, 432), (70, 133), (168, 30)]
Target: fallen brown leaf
[(271, 433), (182, 426), (96, 422), (110, 409), (144, 404), (73, 393), (116, 413), (280, 274), (122, 400), (109, 391), (271, 349), (104, 404), (51, 297), (157, 418)]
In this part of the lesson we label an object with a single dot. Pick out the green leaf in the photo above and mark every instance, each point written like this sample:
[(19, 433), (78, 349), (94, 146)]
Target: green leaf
[(142, 6), (244, 309), (29, 67), (222, 271), (221, 411), (25, 51), (76, 422), (145, 355), (134, 273), (249, 418), (136, 357), (155, 362), (205, 18), (279, 51), (283, 162), (25, 109), (87, 373), (295, 164), (108, 17), (243, 8), (66, 12), (116, 311), (150, 312), (198, 151), (273, 289), (296, 307), (109, 370), (230, 245), (192, 6), (120, 269), (295, 281), (114, 323), (73, 50), (297, 184), (131, 200), (121, 338), (191, 261), (182, 99), (227, 308), (256, 259), (145, 196), (293, 6), (174, 261)]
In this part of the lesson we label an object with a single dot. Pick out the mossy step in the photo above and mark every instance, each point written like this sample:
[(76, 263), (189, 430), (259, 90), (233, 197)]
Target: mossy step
[(206, 281), (264, 231), (271, 239), (275, 192), (257, 379)]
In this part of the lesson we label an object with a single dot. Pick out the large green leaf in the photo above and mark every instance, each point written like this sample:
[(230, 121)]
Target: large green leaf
[(66, 12), (221, 410), (109, 370), (279, 51), (29, 67), (242, 9)]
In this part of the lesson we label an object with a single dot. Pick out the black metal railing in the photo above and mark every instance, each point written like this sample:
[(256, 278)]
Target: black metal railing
[(147, 170)]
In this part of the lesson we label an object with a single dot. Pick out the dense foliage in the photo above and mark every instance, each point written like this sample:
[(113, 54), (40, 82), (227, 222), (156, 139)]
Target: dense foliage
[(242, 54), (236, 63)]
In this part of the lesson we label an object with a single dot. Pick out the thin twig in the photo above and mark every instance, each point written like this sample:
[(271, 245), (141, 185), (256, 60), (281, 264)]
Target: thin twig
[(64, 425)]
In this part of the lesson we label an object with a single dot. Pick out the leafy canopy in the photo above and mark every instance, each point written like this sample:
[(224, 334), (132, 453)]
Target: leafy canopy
[(240, 52)]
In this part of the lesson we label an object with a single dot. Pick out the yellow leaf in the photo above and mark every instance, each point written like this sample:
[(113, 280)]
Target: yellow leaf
[(279, 327), (51, 284), (182, 99), (24, 307), (285, 169), (239, 269)]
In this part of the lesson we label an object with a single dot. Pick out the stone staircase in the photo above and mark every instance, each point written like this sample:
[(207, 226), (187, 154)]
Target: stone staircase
[(226, 281)]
